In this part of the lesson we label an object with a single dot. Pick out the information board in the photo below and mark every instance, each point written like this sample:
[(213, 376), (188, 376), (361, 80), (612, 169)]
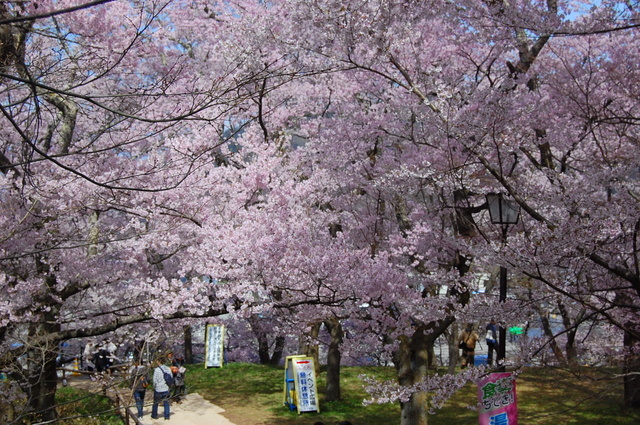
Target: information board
[(214, 346), (300, 384)]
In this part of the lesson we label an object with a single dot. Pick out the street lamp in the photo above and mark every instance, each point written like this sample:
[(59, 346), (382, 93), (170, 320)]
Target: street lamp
[(503, 212)]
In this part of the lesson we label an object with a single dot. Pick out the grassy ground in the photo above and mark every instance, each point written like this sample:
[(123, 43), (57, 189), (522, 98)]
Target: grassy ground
[(253, 395), (82, 408)]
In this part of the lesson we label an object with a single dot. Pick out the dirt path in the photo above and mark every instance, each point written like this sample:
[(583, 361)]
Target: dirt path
[(193, 410)]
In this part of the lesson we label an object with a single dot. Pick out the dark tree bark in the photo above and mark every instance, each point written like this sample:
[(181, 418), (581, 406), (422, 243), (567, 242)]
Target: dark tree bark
[(278, 350), (452, 340), (411, 360), (332, 392), (546, 326), (414, 356), (42, 377), (264, 346), (631, 367), (310, 348), (263, 349), (572, 330), (188, 345)]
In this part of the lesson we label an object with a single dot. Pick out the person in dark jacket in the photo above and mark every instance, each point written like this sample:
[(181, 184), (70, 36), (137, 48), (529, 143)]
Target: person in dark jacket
[(101, 360), (492, 341)]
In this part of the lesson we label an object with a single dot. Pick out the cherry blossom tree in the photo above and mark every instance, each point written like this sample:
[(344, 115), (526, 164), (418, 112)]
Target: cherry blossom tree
[(322, 161), (109, 113), (424, 108)]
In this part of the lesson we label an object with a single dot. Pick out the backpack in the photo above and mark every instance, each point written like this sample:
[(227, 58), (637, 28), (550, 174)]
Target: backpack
[(168, 377)]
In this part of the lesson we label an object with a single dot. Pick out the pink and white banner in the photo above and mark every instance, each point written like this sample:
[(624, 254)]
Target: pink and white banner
[(497, 397)]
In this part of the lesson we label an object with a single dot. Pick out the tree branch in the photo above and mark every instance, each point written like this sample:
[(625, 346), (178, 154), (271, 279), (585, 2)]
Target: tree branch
[(54, 13)]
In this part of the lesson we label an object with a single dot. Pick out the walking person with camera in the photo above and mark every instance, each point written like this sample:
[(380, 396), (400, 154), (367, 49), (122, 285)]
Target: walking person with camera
[(468, 340)]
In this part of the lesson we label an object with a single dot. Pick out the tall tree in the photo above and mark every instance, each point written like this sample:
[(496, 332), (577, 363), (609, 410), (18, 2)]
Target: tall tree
[(425, 101), (317, 170), (108, 114)]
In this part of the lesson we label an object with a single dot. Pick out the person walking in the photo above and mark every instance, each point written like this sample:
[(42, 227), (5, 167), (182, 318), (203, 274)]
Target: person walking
[(492, 341), (161, 389), (88, 356), (101, 358), (139, 383), (111, 348), (468, 340), (177, 367), (179, 387)]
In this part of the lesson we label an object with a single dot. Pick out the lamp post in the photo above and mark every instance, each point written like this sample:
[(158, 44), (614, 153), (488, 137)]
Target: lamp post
[(503, 212)]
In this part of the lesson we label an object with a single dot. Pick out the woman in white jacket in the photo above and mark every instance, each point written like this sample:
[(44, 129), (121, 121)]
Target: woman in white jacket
[(160, 390)]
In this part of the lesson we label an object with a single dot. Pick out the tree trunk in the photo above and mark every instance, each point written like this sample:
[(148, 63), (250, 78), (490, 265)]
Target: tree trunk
[(261, 336), (570, 347), (42, 376), (452, 339), (572, 330), (411, 359), (546, 326), (263, 349), (332, 391), (278, 350), (188, 345), (431, 354), (264, 346), (310, 347), (43, 385), (631, 368), (414, 411)]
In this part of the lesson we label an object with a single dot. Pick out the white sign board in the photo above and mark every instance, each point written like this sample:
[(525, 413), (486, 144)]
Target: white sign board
[(214, 346), (305, 379)]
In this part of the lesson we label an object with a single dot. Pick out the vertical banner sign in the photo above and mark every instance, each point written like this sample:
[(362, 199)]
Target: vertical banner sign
[(214, 346), (305, 380), (497, 397)]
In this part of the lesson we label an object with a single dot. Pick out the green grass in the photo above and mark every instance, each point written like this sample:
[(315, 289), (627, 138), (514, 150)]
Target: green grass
[(80, 407), (545, 396), (263, 388), (554, 396), (253, 395), (578, 396)]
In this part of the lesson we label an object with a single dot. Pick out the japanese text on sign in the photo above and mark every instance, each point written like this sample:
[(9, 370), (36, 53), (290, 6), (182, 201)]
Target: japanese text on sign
[(497, 394), (497, 398), (306, 385), (214, 345)]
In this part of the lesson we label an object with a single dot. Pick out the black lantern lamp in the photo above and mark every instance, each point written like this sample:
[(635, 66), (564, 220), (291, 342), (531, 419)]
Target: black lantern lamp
[(502, 211)]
